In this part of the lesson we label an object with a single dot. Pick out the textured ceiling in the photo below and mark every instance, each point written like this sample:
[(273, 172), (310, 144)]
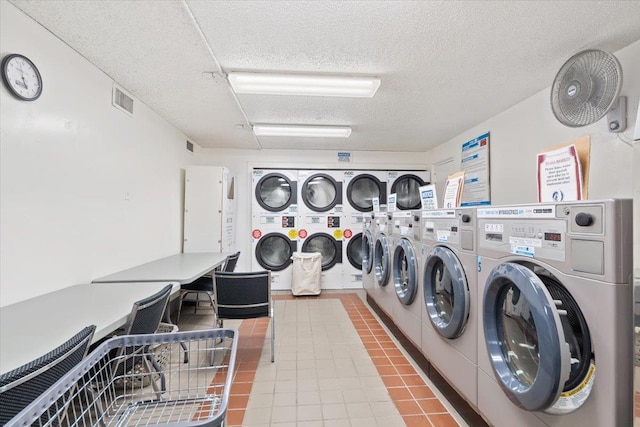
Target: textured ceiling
[(445, 66)]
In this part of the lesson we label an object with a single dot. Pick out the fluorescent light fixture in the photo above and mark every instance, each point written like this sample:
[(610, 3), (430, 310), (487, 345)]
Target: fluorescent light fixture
[(299, 84), (302, 131)]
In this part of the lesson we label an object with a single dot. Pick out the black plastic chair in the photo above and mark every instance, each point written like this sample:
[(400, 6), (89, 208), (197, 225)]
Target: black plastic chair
[(19, 387), (244, 296), (145, 317), (204, 285)]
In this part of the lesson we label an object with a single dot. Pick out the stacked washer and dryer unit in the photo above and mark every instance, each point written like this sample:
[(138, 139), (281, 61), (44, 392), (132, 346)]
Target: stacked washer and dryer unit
[(274, 222), (553, 341), (320, 229)]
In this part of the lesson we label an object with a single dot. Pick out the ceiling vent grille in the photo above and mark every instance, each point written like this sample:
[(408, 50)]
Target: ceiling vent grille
[(190, 146), (122, 101)]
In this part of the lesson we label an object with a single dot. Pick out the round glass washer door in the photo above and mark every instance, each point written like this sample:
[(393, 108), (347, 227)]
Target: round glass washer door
[(275, 192), (355, 251), (274, 251), (361, 191), (405, 272), (329, 248), (368, 245), (381, 260), (407, 190), (321, 192), (538, 341), (446, 292)]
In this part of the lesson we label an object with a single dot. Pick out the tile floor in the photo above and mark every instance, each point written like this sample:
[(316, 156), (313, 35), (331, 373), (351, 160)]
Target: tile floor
[(336, 365)]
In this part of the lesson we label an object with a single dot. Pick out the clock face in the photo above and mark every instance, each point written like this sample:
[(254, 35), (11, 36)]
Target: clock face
[(21, 77)]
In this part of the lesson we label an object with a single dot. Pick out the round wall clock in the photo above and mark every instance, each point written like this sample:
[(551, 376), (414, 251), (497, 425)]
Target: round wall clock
[(21, 77)]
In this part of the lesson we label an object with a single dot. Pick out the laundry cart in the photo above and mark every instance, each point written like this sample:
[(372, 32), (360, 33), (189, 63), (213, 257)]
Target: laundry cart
[(143, 380), (307, 273)]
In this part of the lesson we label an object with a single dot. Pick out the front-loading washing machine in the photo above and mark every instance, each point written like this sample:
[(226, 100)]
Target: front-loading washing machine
[(383, 293), (406, 186), (359, 190), (449, 284), (554, 347), (368, 244), (274, 223), (406, 307)]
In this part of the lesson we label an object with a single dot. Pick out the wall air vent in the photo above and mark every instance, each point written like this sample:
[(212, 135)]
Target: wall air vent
[(122, 101), (190, 146)]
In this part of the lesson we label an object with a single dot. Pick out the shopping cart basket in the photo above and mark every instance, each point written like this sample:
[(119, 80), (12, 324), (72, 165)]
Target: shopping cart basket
[(121, 383)]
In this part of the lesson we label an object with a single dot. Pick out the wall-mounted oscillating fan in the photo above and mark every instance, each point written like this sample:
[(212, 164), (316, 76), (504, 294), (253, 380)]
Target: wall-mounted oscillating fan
[(586, 88)]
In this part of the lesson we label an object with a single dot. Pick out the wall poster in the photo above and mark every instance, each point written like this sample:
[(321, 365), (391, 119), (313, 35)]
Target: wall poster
[(475, 164)]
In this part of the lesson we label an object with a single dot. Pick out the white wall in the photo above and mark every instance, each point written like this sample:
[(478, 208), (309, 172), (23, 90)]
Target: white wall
[(521, 132), (67, 161), (241, 163)]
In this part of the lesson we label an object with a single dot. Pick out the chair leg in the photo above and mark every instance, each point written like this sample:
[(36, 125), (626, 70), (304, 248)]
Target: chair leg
[(273, 336), (182, 296)]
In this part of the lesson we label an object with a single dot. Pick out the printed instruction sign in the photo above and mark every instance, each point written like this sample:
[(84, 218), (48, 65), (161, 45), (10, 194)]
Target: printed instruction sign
[(344, 157), (391, 202), (559, 175), (428, 197), (475, 164), (375, 201), (453, 190)]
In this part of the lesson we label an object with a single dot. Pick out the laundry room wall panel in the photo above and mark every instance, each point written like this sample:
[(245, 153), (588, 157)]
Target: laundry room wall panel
[(85, 189), (521, 132), (241, 162)]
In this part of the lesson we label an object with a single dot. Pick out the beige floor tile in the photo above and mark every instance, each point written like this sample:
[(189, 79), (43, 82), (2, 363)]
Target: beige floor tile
[(308, 397), (309, 412), (344, 422), (331, 396), (334, 411), (359, 410), (257, 416), (284, 399), (281, 414)]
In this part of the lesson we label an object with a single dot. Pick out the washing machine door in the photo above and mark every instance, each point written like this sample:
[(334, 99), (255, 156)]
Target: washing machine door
[(355, 251), (274, 251), (362, 189), (381, 260), (368, 245), (407, 190), (321, 192), (276, 192), (405, 272), (330, 248), (446, 292), (537, 339)]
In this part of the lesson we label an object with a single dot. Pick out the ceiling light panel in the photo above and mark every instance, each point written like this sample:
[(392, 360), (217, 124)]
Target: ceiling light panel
[(298, 84), (302, 131)]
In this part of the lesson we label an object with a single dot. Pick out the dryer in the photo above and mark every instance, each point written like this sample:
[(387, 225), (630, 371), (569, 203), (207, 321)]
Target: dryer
[(406, 307), (449, 284), (406, 186), (274, 191), (359, 189), (554, 347), (383, 293), (274, 223)]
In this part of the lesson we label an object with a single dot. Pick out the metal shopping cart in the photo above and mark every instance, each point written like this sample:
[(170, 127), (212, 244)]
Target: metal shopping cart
[(143, 380)]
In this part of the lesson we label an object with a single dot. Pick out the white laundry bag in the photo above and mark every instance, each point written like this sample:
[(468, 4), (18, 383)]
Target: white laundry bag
[(307, 270)]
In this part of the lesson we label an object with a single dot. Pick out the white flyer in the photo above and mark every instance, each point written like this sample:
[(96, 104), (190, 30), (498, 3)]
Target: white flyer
[(559, 175), (428, 197)]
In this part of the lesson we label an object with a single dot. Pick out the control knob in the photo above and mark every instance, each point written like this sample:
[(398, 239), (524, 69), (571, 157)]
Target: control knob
[(584, 219)]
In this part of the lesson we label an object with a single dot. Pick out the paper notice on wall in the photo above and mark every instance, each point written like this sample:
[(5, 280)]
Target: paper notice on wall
[(475, 164), (428, 197), (453, 190), (391, 202), (559, 175)]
